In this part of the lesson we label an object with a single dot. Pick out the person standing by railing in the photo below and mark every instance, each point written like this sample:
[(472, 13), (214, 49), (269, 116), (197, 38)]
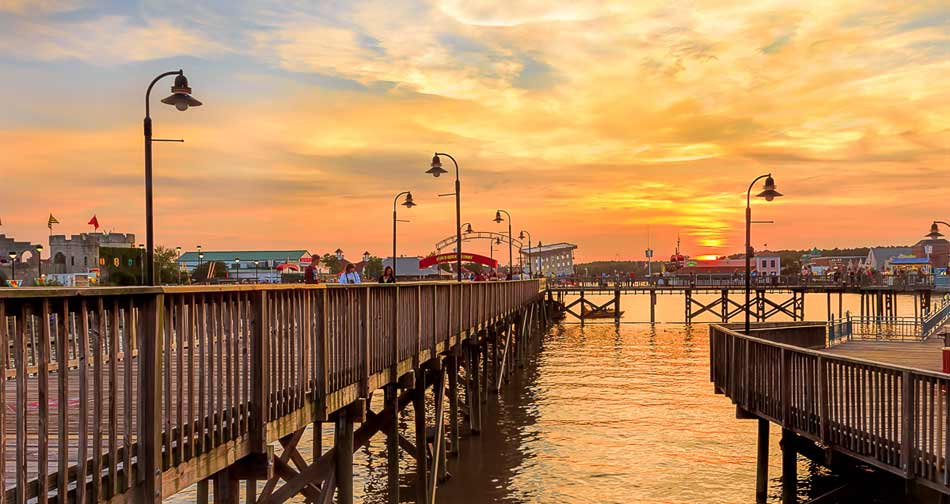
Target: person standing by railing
[(350, 276), (387, 276)]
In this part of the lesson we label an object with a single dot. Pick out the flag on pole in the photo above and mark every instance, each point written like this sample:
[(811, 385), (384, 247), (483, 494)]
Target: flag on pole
[(94, 222), (52, 220)]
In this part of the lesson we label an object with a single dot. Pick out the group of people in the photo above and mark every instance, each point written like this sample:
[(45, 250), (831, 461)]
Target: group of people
[(350, 276)]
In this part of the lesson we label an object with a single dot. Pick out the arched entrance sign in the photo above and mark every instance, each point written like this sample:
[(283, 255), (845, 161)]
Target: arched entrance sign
[(450, 258)]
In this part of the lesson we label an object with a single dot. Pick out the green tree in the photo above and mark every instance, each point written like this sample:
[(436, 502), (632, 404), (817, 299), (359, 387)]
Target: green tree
[(200, 274), (334, 265), (373, 268), (474, 267), (166, 265)]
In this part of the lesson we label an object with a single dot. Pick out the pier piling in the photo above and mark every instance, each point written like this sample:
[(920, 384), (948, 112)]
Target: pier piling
[(762, 462)]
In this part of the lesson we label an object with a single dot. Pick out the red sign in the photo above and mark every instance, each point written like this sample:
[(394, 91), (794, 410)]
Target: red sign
[(452, 257)]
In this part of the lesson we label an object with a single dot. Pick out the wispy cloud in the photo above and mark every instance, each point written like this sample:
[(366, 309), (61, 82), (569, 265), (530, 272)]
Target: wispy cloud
[(591, 120)]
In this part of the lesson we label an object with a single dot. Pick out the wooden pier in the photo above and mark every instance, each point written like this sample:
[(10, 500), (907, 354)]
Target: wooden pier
[(134, 394), (847, 405), (727, 302)]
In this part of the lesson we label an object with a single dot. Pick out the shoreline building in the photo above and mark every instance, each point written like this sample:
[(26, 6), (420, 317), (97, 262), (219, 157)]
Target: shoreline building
[(92, 253), (878, 256), (265, 266), (27, 258), (557, 258)]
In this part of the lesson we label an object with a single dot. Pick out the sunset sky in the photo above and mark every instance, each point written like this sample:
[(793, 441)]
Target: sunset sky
[(590, 121)]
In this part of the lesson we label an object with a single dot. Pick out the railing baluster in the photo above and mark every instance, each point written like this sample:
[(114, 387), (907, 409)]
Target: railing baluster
[(42, 374), (20, 355), (62, 358)]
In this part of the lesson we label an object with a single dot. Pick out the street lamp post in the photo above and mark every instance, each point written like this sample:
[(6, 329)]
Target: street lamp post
[(408, 203), (237, 268), (436, 170), (142, 259), (178, 262), (521, 237), (769, 193), (39, 262), (256, 277), (498, 219), (12, 255), (181, 99)]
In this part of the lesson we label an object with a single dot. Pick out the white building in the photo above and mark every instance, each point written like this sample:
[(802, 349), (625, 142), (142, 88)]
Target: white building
[(557, 258)]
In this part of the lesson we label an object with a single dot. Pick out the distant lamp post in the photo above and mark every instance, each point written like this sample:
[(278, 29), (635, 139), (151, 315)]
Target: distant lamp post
[(366, 256), (142, 259), (237, 267), (521, 237), (408, 203), (178, 262), (468, 228), (39, 262), (339, 254), (499, 219), (181, 99), (935, 233), (12, 255), (435, 170), (769, 193), (256, 277)]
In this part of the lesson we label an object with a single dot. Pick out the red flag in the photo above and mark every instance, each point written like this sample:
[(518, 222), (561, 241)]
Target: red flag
[(94, 222)]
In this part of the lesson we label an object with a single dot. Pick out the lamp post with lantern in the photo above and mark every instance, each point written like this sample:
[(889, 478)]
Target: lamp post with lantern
[(436, 170), (521, 236), (408, 203), (498, 219), (181, 99)]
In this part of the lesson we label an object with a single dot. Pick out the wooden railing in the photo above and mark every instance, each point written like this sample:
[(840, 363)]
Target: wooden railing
[(138, 392), (892, 417)]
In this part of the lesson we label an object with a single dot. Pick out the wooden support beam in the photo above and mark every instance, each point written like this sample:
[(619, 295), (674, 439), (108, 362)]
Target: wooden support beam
[(419, 412), (392, 447), (343, 448), (789, 468), (226, 488), (762, 462), (438, 447), (475, 399), (202, 492), (453, 370)]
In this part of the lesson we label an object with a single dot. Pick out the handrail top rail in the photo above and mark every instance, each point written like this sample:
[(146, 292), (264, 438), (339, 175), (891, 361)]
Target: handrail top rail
[(832, 357), (61, 292)]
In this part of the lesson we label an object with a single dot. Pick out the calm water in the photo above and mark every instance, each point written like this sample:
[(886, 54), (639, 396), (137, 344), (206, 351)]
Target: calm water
[(608, 414)]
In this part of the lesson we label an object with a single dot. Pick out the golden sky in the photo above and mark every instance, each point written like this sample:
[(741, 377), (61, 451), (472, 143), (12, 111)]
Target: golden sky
[(593, 122)]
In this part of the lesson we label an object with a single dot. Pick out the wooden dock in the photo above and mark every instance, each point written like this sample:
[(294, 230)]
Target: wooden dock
[(913, 354), (134, 394), (859, 401)]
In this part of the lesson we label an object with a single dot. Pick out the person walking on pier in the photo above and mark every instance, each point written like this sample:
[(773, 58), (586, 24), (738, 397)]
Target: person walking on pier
[(387, 276), (350, 276)]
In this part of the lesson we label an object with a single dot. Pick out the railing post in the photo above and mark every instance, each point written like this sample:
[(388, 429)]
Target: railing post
[(907, 424), (823, 400), (150, 393), (785, 380), (259, 372)]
